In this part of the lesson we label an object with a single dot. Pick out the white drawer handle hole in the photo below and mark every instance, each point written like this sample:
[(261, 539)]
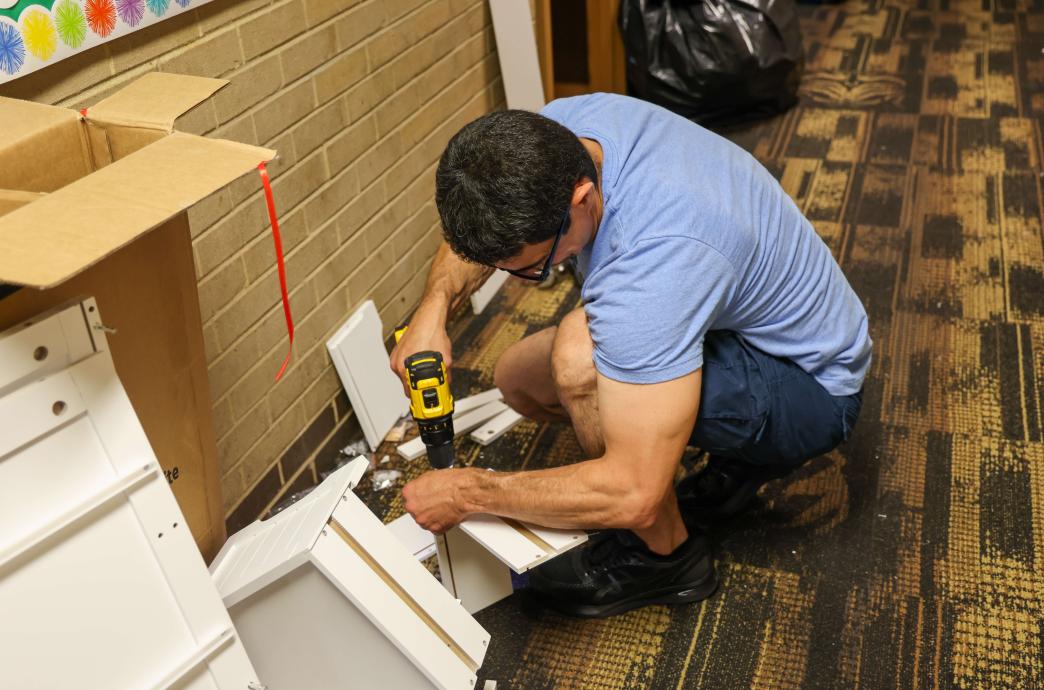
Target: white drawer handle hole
[(40, 353), (58, 408)]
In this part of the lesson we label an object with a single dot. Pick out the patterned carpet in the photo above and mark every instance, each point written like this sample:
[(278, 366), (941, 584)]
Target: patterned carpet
[(912, 557)]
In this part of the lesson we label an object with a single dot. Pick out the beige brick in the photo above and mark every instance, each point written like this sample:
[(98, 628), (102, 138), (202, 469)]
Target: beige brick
[(403, 301), (208, 211), (417, 192), (396, 109), (233, 490), (152, 41), (229, 235), (284, 110), (302, 180), (278, 24), (383, 228), (333, 274), (410, 165), (270, 447), (340, 73), (399, 8), (240, 129), (392, 281), (223, 419), (331, 199), (259, 256), (213, 55), (308, 52), (243, 435), (219, 14), (449, 68), (321, 323), (230, 366), (261, 304), (318, 11), (255, 384), (378, 159), (248, 86), (317, 129), (344, 148), (362, 97), (259, 299), (386, 45), (198, 120), (361, 209), (58, 83), (301, 374), (326, 387), (211, 346), (306, 258), (218, 289), (360, 23)]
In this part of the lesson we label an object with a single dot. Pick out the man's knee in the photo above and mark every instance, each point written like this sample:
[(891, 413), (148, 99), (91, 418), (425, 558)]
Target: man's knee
[(522, 373), (572, 357)]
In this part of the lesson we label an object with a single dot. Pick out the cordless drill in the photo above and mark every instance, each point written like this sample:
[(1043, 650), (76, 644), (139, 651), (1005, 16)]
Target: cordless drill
[(431, 403)]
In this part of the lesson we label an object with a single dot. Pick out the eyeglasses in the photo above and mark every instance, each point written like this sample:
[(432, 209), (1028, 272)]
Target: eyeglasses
[(527, 273)]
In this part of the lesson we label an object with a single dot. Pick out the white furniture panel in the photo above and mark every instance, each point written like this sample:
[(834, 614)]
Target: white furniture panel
[(371, 614), (97, 567), (358, 354)]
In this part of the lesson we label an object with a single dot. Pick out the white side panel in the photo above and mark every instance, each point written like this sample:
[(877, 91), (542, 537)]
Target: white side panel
[(471, 573), (37, 409), (97, 560), (46, 344), (369, 593), (496, 427), (481, 298), (361, 361), (373, 537), (517, 48), (513, 547), (462, 424), (418, 541), (304, 634)]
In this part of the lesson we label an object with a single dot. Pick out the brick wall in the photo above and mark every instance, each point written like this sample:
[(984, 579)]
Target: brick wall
[(359, 98)]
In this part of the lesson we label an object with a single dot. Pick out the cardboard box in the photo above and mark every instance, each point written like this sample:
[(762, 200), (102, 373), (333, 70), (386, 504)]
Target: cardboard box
[(95, 206)]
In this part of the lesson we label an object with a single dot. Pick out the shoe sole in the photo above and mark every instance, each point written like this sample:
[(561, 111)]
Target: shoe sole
[(700, 591)]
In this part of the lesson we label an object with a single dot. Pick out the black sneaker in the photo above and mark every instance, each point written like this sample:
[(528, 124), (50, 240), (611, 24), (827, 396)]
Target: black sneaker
[(615, 572), (722, 489)]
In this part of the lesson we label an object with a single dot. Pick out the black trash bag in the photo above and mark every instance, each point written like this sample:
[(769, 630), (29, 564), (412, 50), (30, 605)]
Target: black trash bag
[(713, 61)]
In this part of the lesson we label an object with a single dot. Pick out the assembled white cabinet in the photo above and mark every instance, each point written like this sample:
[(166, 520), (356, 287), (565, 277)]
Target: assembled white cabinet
[(326, 598), (101, 584)]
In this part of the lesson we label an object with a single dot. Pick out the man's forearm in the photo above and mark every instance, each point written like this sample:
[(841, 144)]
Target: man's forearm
[(451, 281), (587, 494)]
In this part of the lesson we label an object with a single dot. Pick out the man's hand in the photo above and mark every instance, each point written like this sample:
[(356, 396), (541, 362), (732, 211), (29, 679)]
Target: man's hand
[(434, 499), (426, 332)]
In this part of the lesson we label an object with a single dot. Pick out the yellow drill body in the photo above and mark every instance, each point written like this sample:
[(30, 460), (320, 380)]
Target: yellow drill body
[(431, 403)]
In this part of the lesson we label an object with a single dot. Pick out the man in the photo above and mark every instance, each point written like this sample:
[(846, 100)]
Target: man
[(712, 315)]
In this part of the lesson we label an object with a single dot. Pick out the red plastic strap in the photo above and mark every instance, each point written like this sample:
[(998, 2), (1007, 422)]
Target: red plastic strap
[(83, 113), (279, 262)]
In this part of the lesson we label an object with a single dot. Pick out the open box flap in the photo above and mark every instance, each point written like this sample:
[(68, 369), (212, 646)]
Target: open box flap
[(155, 100), (11, 200), (61, 234), (42, 147)]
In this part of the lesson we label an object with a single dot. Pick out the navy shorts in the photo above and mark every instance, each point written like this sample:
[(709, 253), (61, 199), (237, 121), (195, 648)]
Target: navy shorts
[(766, 410)]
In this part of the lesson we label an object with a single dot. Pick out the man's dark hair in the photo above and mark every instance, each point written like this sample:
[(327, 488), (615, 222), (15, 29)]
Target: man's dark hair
[(505, 181)]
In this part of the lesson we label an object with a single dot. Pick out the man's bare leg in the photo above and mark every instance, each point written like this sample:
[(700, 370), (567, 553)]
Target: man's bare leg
[(523, 375)]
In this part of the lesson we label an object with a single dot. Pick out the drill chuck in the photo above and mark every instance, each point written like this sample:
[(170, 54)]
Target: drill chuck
[(437, 435)]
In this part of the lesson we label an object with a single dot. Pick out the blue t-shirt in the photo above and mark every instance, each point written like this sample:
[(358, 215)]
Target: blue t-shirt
[(698, 236)]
